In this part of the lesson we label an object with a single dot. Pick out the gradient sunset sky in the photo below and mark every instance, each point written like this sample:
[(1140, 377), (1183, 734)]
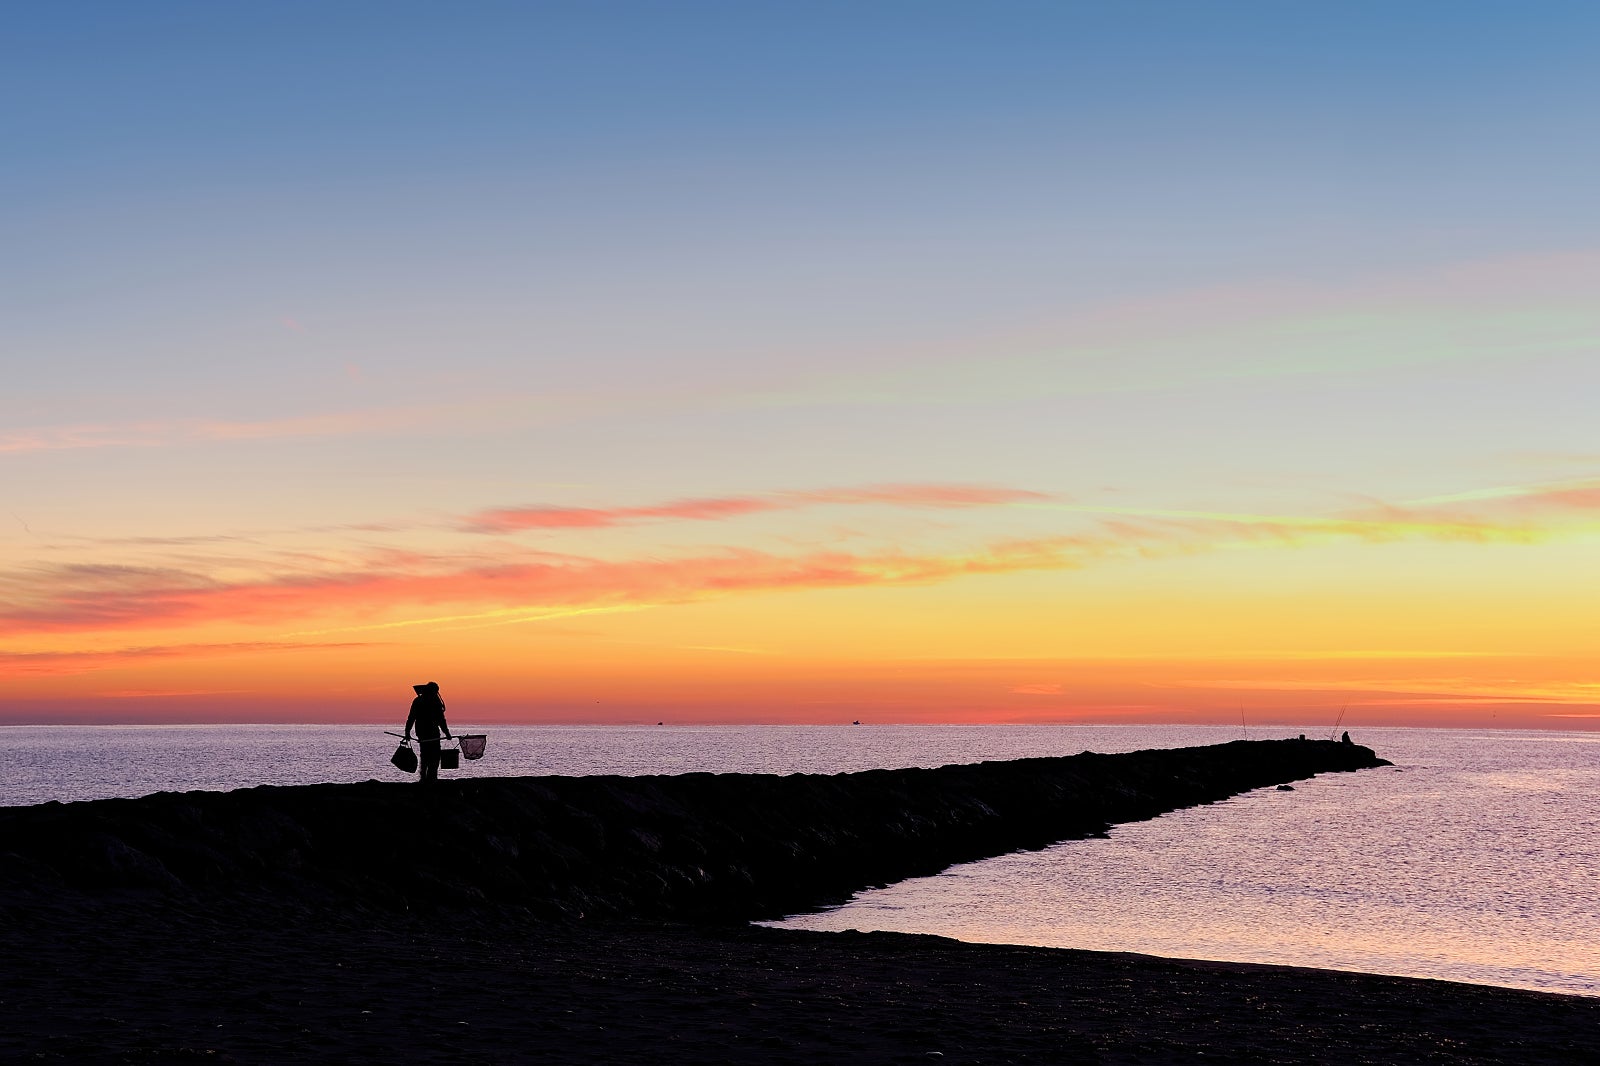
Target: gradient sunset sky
[(781, 362)]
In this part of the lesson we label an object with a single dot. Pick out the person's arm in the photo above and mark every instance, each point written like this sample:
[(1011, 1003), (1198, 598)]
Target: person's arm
[(444, 725), (410, 718)]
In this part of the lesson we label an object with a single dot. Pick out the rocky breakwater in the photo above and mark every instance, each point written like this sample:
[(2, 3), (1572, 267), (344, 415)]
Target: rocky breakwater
[(701, 847)]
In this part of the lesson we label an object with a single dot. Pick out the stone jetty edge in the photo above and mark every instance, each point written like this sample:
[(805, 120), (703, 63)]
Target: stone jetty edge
[(696, 847)]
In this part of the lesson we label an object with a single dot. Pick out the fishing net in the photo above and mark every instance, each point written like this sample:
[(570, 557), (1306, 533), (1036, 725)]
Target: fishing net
[(472, 744)]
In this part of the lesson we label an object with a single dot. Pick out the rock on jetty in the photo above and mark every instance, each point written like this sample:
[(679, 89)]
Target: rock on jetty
[(697, 847)]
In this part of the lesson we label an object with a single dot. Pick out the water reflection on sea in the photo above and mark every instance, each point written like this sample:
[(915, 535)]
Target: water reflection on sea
[(1474, 859)]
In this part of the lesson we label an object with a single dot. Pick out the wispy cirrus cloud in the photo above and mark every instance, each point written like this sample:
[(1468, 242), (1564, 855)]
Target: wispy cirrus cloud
[(718, 508), (120, 598), (160, 433), (1577, 494), (391, 588), (50, 663), (1494, 514), (1508, 514), (1518, 309)]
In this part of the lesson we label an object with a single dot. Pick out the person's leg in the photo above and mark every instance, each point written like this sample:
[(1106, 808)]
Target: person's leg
[(430, 760)]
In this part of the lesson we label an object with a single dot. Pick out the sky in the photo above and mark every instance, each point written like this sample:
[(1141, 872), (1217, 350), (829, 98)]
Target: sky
[(801, 362)]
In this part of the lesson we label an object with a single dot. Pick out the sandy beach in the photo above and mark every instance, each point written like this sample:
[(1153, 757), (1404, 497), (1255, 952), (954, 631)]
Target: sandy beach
[(154, 985)]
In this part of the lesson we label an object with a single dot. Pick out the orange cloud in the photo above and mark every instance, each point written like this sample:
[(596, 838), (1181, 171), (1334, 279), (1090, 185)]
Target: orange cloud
[(715, 508), (88, 597), (80, 598), (54, 663), (1578, 495), (509, 519), (1499, 516), (1520, 513)]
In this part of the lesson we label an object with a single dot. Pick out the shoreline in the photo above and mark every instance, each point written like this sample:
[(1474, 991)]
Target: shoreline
[(1243, 965), (604, 919)]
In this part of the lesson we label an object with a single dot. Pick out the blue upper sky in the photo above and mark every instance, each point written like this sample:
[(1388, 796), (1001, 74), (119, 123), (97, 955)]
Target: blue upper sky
[(684, 192), (1233, 117)]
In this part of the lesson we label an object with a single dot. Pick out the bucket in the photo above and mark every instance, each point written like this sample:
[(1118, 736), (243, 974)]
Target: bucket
[(405, 759), (449, 759)]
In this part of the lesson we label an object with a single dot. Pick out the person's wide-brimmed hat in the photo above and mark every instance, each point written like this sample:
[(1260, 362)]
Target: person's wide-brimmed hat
[(431, 686)]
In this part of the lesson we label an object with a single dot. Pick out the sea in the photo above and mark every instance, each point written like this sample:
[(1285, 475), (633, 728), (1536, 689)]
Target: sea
[(1476, 857)]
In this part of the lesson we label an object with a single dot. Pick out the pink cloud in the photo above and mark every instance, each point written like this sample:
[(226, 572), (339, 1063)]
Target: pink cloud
[(717, 508), (387, 583), (1582, 496), (509, 519), (116, 598)]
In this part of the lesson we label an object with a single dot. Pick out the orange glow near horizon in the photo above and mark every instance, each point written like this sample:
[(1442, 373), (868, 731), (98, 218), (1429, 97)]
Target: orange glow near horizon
[(1123, 619)]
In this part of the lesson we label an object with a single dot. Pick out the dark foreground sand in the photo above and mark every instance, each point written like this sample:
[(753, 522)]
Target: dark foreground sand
[(163, 986)]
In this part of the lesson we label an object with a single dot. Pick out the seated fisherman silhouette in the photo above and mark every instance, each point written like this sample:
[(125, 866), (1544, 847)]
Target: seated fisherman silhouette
[(427, 715)]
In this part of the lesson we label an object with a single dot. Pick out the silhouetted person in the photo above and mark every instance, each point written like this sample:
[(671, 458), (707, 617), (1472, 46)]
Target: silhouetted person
[(427, 715), (1343, 740)]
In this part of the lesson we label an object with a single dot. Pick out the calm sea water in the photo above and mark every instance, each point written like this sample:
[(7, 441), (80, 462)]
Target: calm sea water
[(1474, 859)]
